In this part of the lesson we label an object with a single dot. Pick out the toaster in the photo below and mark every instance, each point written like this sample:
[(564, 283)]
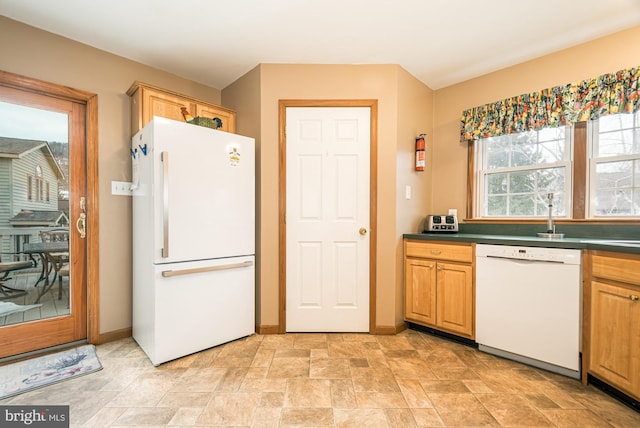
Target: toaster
[(441, 223)]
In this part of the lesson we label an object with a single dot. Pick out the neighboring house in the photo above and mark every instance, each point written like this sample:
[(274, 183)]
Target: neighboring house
[(29, 176), (40, 218)]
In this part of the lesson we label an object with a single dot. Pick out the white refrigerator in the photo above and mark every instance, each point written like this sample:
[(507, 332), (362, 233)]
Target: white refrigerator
[(193, 238)]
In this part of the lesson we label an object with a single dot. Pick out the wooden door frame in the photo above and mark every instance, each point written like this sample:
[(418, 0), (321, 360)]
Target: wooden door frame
[(90, 100), (373, 198)]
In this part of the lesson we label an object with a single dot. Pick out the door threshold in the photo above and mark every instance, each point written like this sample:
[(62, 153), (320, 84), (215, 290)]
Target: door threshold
[(44, 351)]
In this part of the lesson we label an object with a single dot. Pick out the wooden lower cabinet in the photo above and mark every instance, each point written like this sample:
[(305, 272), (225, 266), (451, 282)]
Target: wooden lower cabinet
[(455, 298), (614, 348), (439, 290), (420, 291)]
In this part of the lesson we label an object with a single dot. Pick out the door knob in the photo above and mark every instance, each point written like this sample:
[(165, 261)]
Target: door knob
[(363, 231)]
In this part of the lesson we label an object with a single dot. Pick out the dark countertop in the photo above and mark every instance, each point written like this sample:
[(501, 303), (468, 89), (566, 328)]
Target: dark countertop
[(616, 245)]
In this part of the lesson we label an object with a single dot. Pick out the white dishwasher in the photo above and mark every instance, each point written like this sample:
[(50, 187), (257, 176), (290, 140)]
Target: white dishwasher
[(528, 305)]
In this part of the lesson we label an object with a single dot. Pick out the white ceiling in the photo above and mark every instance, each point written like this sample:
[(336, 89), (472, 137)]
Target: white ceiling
[(440, 42)]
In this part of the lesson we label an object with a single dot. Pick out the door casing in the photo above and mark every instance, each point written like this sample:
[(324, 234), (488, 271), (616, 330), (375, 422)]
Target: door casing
[(373, 186)]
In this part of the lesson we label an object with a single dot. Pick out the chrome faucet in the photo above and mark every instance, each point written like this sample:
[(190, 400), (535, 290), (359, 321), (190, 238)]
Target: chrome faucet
[(551, 228)]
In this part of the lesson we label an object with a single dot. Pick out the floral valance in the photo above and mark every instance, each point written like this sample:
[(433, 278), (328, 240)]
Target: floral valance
[(558, 106)]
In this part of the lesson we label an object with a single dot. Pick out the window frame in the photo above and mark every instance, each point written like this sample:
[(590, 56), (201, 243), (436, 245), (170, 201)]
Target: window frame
[(29, 187), (592, 163), (580, 188)]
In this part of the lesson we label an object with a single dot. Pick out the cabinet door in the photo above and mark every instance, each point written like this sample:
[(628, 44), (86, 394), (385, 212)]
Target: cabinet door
[(164, 105), (420, 291), (228, 118), (455, 298), (615, 336)]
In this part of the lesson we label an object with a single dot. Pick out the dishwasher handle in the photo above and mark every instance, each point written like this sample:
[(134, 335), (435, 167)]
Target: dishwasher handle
[(516, 259)]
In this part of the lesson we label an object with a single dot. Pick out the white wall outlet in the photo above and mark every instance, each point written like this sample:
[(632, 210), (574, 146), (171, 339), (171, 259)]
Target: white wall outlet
[(453, 211), (407, 192), (121, 188)]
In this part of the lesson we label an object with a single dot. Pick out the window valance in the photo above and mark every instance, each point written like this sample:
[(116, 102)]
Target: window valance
[(558, 106)]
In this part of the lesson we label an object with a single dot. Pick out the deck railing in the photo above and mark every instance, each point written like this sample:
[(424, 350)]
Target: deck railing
[(12, 240)]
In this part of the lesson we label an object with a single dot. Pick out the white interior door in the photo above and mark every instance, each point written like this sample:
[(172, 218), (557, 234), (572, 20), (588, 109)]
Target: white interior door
[(327, 219)]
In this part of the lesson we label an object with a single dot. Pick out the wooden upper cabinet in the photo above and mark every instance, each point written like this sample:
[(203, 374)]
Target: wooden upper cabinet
[(228, 117), (148, 101)]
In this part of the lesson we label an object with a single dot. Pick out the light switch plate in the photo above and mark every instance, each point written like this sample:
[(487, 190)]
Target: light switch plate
[(121, 188), (407, 192)]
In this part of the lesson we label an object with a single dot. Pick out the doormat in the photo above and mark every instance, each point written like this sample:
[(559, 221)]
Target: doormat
[(23, 376)]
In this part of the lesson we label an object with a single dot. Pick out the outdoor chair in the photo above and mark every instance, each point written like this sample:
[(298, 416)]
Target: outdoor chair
[(6, 268), (58, 259)]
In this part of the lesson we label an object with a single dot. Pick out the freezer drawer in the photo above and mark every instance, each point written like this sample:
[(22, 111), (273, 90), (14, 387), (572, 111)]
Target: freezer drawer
[(197, 305)]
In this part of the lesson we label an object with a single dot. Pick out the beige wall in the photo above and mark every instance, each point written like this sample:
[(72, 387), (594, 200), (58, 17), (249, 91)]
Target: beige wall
[(605, 55), (398, 94), (38, 54), (415, 116)]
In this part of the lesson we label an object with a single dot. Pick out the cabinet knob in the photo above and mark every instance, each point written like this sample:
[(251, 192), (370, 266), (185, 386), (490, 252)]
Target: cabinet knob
[(633, 297), (438, 267)]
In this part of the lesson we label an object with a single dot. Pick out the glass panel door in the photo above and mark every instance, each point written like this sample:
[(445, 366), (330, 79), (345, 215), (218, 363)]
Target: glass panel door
[(42, 252), (34, 216)]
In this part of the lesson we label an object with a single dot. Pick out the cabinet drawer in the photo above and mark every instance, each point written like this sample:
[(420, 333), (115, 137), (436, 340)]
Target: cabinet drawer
[(616, 268), (429, 250)]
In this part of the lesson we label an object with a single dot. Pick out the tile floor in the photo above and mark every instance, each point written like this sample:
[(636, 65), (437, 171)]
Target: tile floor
[(345, 380)]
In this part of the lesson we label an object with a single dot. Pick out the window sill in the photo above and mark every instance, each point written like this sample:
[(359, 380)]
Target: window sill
[(620, 221)]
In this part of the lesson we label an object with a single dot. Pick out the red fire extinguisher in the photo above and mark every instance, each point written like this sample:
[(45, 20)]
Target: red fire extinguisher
[(420, 159)]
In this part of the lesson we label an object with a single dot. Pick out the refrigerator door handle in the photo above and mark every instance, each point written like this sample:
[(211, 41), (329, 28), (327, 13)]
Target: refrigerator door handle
[(170, 273), (164, 158)]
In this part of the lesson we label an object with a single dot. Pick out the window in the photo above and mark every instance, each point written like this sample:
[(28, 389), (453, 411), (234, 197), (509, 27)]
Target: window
[(29, 187), (516, 172), (614, 166), (39, 184)]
